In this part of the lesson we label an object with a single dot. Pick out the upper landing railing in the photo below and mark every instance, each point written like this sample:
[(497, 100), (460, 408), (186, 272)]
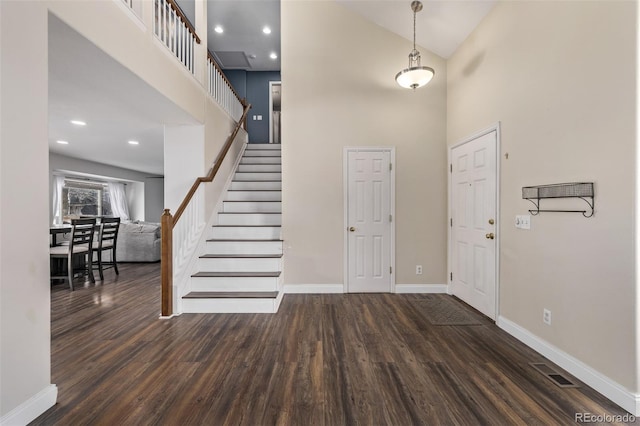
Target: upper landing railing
[(222, 91), (173, 29)]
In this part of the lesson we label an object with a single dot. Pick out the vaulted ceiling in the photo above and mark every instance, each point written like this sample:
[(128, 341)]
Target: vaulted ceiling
[(122, 107)]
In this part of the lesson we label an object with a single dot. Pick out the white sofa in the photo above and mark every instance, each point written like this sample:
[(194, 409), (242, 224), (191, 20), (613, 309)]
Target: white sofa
[(138, 242)]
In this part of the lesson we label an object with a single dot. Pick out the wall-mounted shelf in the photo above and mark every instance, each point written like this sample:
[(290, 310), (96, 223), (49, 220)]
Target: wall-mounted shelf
[(582, 190)]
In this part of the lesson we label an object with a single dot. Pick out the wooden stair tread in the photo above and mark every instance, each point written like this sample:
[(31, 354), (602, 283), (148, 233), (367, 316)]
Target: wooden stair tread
[(227, 240), (249, 212), (236, 274), (241, 256), (247, 226), (231, 295)]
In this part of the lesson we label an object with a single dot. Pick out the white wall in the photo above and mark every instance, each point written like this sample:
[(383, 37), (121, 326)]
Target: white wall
[(183, 162), (154, 198), (561, 78), (339, 90), (25, 373)]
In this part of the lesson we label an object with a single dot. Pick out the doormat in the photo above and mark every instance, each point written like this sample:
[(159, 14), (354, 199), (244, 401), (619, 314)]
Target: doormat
[(442, 310)]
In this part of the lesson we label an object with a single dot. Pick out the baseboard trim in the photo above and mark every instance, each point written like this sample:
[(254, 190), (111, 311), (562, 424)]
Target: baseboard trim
[(421, 288), (29, 410), (313, 288), (602, 384)]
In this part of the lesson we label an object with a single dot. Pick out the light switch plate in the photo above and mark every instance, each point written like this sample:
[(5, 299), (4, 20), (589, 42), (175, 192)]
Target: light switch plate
[(523, 221)]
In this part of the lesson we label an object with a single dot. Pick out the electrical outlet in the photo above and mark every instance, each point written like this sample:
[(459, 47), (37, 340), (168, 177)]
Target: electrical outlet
[(418, 269), (546, 316)]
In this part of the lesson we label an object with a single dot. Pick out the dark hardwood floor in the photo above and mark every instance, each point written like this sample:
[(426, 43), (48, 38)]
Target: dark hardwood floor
[(322, 360)]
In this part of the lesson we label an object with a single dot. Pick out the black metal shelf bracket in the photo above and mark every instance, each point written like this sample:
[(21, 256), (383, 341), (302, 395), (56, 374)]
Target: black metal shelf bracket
[(581, 190)]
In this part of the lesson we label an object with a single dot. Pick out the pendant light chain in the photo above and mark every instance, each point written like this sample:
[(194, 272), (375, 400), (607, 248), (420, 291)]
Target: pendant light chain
[(414, 30)]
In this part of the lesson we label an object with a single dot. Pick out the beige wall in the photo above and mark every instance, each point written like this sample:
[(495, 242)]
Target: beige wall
[(339, 90), (560, 77), (25, 370)]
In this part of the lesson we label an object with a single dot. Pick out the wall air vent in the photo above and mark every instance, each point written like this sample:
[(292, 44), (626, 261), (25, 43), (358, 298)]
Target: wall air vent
[(232, 60)]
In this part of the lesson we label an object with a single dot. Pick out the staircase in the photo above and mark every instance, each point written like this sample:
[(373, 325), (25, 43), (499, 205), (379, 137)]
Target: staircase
[(240, 269)]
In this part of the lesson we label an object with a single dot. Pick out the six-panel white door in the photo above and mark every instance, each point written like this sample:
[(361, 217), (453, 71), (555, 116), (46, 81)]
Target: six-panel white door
[(368, 222), (473, 233)]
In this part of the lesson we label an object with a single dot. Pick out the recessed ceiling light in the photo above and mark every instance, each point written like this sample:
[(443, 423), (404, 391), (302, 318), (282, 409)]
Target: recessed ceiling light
[(266, 30), (273, 55), (134, 143), (63, 142), (78, 123), (218, 29)]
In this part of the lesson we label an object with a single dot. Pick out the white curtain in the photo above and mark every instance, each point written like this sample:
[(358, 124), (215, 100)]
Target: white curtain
[(118, 197), (58, 184)]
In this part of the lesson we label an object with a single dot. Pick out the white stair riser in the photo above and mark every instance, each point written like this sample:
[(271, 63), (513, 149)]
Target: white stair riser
[(252, 206), (230, 305), (261, 153), (257, 176), (261, 160), (255, 186), (244, 247), (246, 233), (234, 283), (254, 264), (274, 219), (259, 168), (254, 195)]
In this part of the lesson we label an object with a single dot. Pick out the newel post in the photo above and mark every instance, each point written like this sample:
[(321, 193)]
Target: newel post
[(166, 263)]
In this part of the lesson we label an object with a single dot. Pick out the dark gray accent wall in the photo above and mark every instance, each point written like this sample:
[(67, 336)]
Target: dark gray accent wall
[(258, 96), (254, 85), (238, 79)]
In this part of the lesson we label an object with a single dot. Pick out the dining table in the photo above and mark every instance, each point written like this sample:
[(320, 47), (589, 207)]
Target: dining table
[(55, 230)]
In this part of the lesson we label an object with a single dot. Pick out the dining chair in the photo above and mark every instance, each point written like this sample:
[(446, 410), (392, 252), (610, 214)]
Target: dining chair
[(107, 240), (80, 247)]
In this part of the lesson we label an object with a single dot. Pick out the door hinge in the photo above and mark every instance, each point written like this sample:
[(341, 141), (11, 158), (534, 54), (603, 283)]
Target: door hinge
[(390, 218), (450, 168), (390, 166), (451, 222), (391, 269), (450, 276)]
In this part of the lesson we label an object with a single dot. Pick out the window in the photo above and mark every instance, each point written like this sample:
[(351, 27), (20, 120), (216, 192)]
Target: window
[(85, 198)]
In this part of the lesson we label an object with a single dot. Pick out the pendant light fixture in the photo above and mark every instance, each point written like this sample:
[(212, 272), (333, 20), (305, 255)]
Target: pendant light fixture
[(416, 75)]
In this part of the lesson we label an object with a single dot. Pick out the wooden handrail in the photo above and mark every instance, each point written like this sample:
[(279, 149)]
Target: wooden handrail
[(212, 172), (184, 19), (224, 77), (168, 221)]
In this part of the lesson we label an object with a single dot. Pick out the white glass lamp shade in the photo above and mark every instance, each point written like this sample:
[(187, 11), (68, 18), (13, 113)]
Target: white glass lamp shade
[(414, 77)]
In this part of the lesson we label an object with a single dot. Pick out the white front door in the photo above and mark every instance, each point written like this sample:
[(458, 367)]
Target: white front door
[(473, 227), (368, 220)]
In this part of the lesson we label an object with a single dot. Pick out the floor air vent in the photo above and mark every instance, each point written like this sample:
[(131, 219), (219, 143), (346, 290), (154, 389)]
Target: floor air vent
[(553, 375)]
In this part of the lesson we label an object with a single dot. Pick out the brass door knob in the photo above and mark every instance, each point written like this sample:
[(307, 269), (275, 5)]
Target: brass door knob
[(352, 229), (490, 236)]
